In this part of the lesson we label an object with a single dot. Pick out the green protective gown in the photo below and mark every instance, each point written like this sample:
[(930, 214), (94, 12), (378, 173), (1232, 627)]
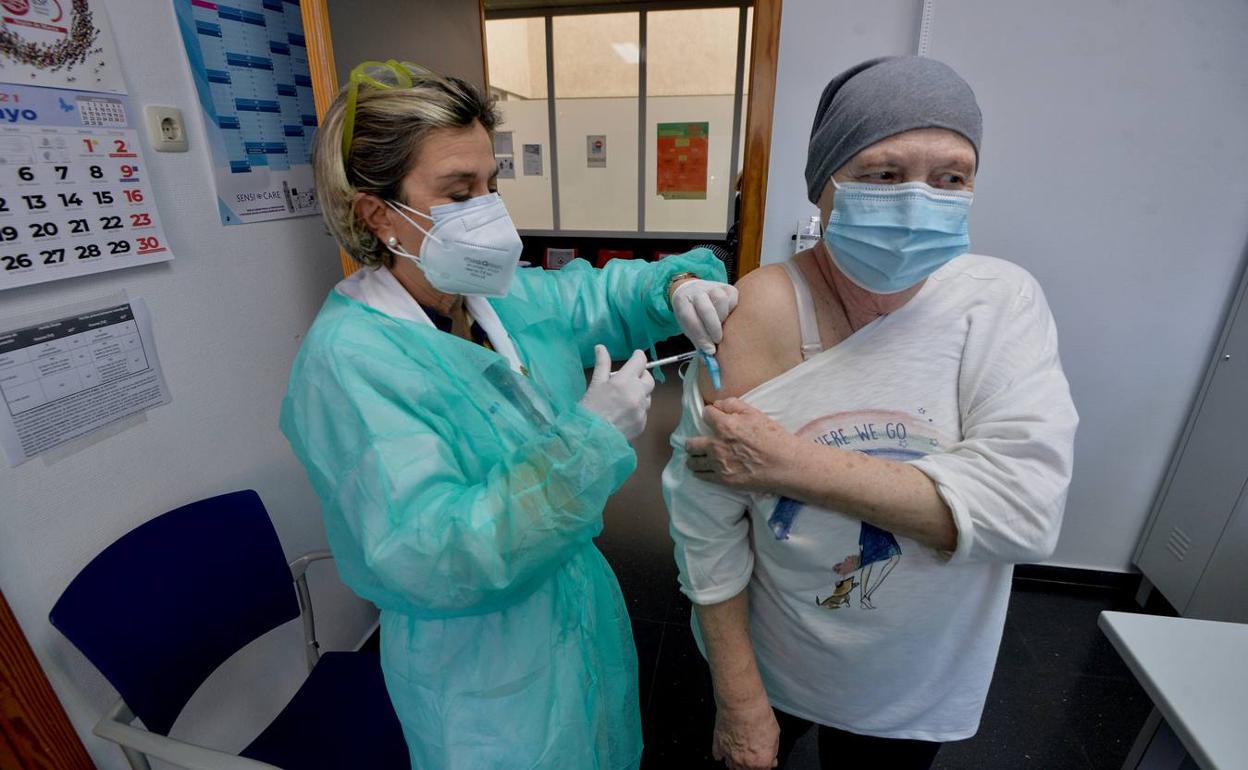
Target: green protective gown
[(462, 497)]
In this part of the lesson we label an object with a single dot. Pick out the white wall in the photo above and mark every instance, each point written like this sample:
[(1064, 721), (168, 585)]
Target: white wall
[(1114, 168), (229, 314), (528, 197), (597, 198)]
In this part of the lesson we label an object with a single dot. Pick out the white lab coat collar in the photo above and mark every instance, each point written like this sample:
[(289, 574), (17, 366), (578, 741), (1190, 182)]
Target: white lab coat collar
[(381, 291)]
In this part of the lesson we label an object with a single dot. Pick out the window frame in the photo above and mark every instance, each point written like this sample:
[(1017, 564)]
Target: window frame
[(641, 9)]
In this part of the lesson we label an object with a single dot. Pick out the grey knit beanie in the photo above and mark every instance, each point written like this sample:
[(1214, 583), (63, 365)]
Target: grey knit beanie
[(883, 97)]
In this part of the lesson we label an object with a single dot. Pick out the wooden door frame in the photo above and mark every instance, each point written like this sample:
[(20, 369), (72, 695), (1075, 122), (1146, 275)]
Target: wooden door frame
[(764, 54), (35, 732), (485, 52), (320, 47), (760, 109)]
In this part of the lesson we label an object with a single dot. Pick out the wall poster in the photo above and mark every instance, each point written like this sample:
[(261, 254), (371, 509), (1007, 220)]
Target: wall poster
[(681, 159), (249, 61)]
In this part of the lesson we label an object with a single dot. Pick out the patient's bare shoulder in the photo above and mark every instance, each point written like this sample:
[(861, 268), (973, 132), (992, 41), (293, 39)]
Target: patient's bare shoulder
[(761, 337)]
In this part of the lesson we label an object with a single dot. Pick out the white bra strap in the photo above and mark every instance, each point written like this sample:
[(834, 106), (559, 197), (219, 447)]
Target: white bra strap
[(805, 311)]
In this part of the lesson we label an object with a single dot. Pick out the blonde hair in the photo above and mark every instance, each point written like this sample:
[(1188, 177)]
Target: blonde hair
[(390, 126)]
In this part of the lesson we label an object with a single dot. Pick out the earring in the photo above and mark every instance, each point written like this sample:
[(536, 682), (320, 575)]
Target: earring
[(392, 241)]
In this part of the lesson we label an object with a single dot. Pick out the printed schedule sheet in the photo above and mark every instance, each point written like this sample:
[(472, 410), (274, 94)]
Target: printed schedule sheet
[(68, 376)]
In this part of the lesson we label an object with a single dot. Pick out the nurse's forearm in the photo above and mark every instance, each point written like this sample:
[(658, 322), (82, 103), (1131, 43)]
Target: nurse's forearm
[(726, 634), (891, 495)]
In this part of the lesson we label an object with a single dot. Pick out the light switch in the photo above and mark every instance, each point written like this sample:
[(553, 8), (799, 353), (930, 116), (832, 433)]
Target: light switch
[(165, 129)]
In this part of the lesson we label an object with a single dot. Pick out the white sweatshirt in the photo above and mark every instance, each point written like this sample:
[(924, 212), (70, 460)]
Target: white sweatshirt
[(854, 627)]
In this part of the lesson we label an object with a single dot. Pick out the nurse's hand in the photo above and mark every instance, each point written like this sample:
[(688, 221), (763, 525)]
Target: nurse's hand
[(701, 307), (623, 398), (748, 450), (746, 738)]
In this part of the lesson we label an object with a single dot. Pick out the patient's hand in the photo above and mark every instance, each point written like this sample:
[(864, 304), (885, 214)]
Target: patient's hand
[(748, 449), (746, 738)]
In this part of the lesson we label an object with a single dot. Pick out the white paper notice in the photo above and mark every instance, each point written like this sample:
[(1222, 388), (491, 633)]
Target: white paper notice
[(532, 160), (596, 151), (503, 144), (68, 376)]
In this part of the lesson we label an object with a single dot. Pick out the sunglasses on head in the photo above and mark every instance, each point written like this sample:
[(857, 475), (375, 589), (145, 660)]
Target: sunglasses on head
[(384, 76)]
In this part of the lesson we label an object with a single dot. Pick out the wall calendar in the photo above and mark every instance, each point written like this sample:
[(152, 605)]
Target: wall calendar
[(74, 193)]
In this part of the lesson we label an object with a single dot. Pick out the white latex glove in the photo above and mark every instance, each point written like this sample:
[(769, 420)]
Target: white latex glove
[(701, 307), (623, 398)]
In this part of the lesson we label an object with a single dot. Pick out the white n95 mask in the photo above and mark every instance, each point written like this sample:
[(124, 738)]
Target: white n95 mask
[(473, 247)]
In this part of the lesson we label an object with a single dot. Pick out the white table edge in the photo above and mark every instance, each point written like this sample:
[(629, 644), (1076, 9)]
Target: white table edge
[(1176, 722)]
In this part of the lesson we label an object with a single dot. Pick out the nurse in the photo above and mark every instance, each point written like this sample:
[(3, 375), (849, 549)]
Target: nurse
[(440, 409)]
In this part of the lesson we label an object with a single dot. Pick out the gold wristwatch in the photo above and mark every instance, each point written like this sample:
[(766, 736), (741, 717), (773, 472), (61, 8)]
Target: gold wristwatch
[(675, 278)]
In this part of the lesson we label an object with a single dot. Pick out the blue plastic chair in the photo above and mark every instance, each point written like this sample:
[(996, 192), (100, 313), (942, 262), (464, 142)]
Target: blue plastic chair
[(157, 626)]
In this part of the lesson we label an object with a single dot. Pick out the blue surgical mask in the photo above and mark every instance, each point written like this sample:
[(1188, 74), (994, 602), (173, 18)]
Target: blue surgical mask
[(473, 247), (888, 237)]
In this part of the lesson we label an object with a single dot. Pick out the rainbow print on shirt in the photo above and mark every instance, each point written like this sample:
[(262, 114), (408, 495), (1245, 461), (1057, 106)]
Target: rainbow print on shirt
[(890, 435)]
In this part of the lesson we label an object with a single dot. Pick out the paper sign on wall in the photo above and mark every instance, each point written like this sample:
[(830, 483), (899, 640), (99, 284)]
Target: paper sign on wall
[(506, 167), (681, 160), (66, 377), (596, 151), (503, 143), (532, 160), (249, 61)]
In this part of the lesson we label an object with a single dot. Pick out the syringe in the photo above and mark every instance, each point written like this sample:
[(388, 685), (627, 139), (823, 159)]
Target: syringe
[(712, 365), (672, 359)]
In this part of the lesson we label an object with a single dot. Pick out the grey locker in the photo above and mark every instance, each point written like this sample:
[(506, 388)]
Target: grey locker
[(1195, 548), (1222, 593)]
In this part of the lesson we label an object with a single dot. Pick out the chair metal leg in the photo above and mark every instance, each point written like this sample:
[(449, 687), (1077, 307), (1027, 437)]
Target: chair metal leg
[(311, 648), (138, 744), (298, 573), (137, 759), (122, 714)]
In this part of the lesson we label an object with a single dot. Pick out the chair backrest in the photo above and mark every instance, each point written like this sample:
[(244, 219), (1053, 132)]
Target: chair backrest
[(160, 609)]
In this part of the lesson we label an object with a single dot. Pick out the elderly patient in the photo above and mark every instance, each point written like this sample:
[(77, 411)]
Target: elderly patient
[(894, 431)]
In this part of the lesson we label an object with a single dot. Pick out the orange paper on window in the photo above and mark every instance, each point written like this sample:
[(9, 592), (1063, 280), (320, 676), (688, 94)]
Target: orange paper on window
[(682, 152)]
